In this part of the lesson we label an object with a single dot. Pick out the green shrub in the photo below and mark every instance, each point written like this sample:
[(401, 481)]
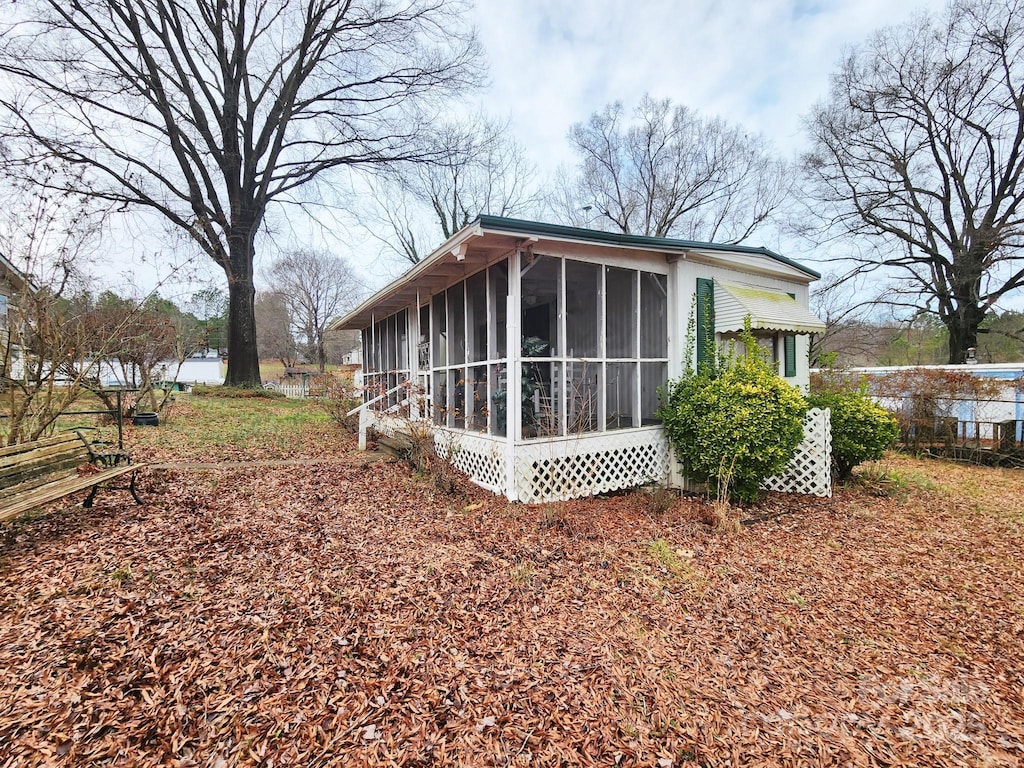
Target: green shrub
[(245, 393), (735, 423), (861, 428)]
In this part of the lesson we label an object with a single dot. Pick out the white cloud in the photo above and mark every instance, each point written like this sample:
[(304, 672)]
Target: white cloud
[(761, 64)]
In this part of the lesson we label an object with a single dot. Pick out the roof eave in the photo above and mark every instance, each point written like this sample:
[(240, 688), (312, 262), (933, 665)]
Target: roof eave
[(450, 247)]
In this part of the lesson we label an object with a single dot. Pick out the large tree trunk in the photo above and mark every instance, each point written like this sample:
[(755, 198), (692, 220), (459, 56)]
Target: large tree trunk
[(962, 326), (966, 312), (963, 332), (243, 354)]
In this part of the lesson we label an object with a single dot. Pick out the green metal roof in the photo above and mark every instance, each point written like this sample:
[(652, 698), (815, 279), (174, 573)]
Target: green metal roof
[(617, 238), (463, 245)]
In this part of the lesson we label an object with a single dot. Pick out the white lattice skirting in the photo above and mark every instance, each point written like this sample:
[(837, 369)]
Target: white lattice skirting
[(480, 457), (585, 465), (810, 471)]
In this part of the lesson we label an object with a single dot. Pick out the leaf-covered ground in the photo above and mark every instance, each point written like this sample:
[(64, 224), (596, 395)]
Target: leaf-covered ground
[(343, 613)]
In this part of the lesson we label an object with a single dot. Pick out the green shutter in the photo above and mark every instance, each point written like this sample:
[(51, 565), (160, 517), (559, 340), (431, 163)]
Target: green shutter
[(790, 345), (705, 322)]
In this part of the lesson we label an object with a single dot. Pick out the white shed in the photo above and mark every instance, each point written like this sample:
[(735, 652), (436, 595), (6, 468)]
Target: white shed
[(536, 351)]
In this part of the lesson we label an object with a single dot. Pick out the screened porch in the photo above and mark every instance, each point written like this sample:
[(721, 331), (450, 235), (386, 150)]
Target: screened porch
[(589, 348)]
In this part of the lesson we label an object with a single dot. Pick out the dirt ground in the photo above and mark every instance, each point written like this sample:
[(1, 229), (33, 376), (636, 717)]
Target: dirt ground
[(343, 612)]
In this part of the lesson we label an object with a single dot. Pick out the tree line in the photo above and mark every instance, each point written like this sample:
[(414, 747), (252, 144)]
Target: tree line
[(215, 115)]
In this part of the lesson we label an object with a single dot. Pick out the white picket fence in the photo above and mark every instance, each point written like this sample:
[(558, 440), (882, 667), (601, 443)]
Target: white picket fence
[(292, 390)]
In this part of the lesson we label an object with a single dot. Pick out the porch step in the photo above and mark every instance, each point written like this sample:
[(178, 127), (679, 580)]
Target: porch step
[(398, 444)]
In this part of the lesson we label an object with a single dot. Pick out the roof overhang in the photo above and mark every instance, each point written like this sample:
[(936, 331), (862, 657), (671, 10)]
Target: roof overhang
[(767, 308), (14, 276), (492, 238)]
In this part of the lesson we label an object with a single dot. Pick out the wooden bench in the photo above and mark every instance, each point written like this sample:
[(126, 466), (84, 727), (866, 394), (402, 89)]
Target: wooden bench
[(36, 473)]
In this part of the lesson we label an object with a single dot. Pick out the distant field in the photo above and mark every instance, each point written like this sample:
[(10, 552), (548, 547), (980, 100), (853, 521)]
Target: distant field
[(273, 370)]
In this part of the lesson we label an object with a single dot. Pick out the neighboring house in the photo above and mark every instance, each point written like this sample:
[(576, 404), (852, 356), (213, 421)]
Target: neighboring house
[(976, 418), (12, 282), (537, 351), (199, 369), (345, 347)]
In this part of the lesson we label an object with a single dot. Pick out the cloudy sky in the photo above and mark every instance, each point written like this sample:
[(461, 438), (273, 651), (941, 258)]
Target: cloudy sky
[(760, 63)]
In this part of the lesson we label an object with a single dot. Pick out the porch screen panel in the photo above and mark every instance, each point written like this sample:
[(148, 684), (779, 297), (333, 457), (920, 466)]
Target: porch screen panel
[(457, 398), (653, 315), (379, 359), (498, 405), (582, 309), (621, 312), (423, 347), (620, 390), (476, 317), (379, 382), (402, 340), (477, 408), (368, 385), (652, 376), (498, 275), (540, 285), (390, 343), (422, 388), (439, 345), (542, 384), (390, 358), (457, 324), (582, 395), (440, 397)]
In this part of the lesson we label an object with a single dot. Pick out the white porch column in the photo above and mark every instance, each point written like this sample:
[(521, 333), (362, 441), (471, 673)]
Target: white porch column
[(413, 344), (514, 390)]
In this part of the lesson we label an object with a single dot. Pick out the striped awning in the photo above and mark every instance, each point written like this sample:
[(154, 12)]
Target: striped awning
[(768, 309)]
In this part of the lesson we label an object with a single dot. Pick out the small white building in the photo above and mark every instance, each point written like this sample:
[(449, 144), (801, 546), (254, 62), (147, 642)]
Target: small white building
[(12, 282), (537, 351)]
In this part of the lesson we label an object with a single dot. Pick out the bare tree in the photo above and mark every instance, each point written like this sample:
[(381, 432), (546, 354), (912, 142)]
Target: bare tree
[(671, 173), (209, 111), (316, 287), (920, 148), (478, 168), (53, 347), (274, 323)]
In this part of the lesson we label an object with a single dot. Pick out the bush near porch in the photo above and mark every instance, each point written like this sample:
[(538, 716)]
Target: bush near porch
[(735, 423)]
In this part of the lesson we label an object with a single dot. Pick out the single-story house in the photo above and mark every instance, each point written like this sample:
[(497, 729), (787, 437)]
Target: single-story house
[(536, 351), (12, 282)]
